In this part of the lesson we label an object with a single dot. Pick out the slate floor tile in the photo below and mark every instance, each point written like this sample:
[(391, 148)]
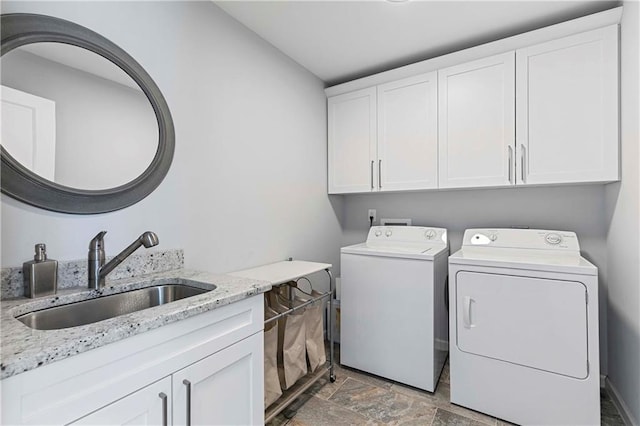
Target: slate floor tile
[(447, 418), (441, 399), (319, 412), (381, 404)]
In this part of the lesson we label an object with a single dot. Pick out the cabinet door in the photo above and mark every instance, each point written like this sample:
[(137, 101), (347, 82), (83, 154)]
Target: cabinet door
[(476, 123), (148, 406), (352, 142), (408, 133), (225, 388), (567, 109)]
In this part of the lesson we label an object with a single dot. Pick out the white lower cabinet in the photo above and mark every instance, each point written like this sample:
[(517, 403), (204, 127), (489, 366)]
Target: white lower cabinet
[(148, 406), (223, 389), (219, 390), (142, 379)]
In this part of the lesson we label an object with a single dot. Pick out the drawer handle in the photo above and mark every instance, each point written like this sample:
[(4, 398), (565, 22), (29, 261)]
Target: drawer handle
[(188, 385), (163, 396)]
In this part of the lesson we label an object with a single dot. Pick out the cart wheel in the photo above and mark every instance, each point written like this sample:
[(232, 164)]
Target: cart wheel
[(332, 378)]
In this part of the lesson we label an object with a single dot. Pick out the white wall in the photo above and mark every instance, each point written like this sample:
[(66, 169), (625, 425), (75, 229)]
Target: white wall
[(623, 233), (248, 182), (570, 208)]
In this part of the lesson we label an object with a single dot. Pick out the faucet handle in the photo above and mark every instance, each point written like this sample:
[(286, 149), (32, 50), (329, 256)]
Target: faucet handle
[(98, 241)]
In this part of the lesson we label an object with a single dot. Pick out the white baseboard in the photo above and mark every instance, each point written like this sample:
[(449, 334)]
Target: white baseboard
[(624, 411)]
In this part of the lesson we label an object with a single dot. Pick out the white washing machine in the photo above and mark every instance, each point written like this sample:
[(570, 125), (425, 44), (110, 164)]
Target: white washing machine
[(394, 319), (524, 327)]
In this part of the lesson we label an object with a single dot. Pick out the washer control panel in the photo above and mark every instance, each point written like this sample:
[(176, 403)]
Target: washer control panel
[(522, 238), (407, 234)]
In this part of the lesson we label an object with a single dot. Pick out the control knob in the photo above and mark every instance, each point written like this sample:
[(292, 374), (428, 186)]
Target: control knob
[(429, 234), (553, 238)]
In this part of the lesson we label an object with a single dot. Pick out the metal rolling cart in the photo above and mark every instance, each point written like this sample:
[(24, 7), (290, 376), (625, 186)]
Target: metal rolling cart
[(281, 273)]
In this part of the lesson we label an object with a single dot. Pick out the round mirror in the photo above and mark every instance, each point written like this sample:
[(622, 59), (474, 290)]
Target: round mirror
[(84, 127), (74, 118)]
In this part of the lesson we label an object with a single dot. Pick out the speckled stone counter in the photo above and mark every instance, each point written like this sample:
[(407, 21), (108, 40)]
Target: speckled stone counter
[(24, 349)]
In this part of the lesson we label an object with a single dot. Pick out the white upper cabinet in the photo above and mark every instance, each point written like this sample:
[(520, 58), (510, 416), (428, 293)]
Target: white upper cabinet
[(476, 123), (567, 109), (542, 110), (408, 134), (352, 142)]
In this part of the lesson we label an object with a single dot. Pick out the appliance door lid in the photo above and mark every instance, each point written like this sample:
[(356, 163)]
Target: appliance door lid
[(534, 322), (400, 251)]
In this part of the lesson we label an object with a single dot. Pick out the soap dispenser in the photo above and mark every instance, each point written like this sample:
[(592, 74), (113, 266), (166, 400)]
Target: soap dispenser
[(40, 274)]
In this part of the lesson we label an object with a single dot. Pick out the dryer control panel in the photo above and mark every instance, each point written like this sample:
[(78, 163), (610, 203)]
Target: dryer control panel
[(522, 238)]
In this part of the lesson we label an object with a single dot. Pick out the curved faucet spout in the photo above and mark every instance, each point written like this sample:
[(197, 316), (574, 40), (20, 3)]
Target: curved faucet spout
[(149, 239), (98, 270)]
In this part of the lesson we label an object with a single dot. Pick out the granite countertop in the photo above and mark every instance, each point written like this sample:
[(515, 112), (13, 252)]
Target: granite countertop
[(25, 349)]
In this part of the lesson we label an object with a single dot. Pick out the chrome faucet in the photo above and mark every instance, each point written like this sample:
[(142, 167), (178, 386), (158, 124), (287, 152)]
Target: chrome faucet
[(97, 268)]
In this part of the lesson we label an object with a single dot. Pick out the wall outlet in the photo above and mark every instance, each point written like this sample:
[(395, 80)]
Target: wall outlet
[(372, 214)]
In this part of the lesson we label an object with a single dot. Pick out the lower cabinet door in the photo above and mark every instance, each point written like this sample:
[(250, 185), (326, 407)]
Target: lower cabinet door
[(150, 405), (225, 388)]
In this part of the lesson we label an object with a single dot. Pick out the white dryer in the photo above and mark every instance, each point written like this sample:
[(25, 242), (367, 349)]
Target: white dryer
[(524, 327), (394, 317)]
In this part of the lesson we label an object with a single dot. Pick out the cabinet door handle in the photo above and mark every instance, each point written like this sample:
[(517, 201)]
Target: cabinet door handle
[(188, 385), (163, 396), (380, 174), (372, 174), (522, 163), (510, 162)]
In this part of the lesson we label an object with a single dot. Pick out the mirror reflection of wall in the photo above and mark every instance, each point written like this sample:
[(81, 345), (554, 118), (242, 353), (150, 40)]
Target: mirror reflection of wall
[(29, 130), (106, 133)]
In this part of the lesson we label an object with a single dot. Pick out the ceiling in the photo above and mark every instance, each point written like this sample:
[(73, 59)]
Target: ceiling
[(340, 41)]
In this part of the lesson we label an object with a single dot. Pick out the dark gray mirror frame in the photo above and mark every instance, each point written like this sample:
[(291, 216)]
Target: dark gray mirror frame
[(20, 183)]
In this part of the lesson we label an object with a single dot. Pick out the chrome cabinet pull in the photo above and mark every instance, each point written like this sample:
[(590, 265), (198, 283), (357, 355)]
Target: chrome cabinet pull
[(165, 414), (372, 174), (522, 162), (510, 162), (380, 174), (188, 385)]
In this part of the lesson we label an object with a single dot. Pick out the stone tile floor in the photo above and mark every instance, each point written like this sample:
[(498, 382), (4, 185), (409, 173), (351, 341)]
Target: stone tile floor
[(357, 398)]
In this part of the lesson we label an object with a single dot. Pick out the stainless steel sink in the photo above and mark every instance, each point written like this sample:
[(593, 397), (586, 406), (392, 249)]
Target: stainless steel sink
[(102, 308)]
